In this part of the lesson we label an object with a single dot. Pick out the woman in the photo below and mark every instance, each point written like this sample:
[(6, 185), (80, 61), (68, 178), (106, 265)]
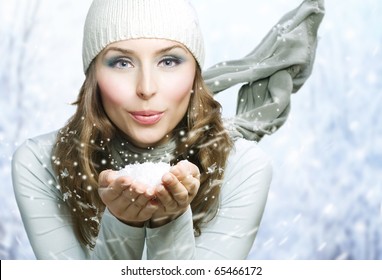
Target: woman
[(144, 99)]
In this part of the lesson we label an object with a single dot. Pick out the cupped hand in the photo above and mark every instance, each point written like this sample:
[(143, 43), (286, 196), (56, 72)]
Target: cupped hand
[(179, 187), (128, 200)]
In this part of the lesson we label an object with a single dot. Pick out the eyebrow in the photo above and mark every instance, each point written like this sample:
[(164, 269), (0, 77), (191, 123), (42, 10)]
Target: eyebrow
[(130, 52)]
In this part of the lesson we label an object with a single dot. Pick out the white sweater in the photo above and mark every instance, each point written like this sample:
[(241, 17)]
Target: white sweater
[(230, 235)]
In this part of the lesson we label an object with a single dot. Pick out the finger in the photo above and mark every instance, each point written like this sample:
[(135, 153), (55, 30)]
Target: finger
[(136, 204), (165, 198), (114, 189), (150, 192), (185, 169), (188, 174), (189, 168), (106, 177), (147, 211), (139, 210), (131, 191), (192, 185), (193, 170), (176, 190), (128, 205)]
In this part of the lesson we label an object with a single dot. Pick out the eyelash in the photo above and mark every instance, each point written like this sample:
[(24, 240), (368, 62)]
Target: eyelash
[(115, 62), (171, 59)]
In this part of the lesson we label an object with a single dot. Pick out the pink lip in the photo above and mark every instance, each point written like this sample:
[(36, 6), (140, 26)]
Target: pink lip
[(147, 117)]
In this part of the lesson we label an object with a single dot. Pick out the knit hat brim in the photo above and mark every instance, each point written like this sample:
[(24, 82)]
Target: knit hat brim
[(116, 20)]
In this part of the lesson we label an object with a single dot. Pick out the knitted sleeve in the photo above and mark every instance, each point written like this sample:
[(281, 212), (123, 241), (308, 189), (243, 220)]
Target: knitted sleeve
[(275, 69), (47, 218), (231, 234)]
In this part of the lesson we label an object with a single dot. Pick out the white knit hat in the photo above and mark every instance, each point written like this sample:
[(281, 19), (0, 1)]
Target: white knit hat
[(110, 21)]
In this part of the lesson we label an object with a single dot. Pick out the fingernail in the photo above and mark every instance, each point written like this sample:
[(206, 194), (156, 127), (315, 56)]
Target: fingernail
[(150, 192), (160, 188), (167, 178)]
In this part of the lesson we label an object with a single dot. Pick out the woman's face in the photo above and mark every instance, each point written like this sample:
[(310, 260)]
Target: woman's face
[(145, 87)]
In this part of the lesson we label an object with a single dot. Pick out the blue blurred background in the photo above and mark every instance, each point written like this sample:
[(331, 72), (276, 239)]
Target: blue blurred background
[(325, 200)]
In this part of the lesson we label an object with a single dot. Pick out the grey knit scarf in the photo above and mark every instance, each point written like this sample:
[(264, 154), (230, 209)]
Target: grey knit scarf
[(275, 69)]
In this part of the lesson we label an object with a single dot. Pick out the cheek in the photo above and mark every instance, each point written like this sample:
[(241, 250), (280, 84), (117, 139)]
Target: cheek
[(178, 88), (113, 90)]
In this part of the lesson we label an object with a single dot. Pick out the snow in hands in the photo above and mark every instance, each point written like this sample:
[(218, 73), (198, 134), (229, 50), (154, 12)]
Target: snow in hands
[(147, 173)]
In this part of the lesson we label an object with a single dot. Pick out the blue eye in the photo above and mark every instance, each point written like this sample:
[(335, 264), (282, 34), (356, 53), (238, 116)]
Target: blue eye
[(170, 62), (119, 62)]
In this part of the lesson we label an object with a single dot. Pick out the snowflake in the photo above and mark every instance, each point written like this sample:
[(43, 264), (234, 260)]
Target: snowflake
[(64, 173), (66, 195), (212, 168)]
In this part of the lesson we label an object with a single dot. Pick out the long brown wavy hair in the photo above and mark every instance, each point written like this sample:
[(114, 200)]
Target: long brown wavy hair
[(82, 151)]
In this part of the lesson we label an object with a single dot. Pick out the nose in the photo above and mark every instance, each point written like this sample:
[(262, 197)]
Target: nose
[(146, 87)]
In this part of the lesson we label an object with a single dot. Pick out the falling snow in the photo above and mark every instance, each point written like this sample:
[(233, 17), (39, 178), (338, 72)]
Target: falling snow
[(325, 200)]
